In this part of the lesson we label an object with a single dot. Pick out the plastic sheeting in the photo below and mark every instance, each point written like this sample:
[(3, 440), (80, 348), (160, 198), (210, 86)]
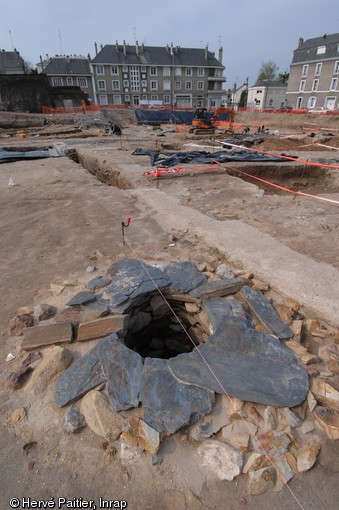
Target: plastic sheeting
[(10, 156), (168, 159), (172, 116)]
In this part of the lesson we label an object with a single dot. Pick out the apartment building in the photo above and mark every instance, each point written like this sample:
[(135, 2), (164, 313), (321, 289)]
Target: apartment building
[(167, 76), (314, 74)]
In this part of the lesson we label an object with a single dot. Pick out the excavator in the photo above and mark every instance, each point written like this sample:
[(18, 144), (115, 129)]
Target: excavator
[(202, 126)]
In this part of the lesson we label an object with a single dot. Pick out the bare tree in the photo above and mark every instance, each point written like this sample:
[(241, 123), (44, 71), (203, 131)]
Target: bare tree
[(268, 71)]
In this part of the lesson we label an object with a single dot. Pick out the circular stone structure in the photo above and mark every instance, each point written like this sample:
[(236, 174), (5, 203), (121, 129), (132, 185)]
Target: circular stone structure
[(174, 375)]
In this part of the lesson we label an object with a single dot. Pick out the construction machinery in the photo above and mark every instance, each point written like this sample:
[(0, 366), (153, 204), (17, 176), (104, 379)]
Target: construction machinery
[(201, 125)]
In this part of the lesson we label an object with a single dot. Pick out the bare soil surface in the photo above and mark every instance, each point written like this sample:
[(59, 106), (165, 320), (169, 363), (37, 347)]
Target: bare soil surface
[(58, 219)]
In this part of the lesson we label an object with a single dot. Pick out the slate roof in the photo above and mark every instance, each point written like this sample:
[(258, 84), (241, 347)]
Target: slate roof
[(308, 50), (270, 83), (10, 61), (155, 56), (67, 66)]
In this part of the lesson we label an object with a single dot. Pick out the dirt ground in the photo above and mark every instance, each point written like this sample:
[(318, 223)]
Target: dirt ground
[(58, 219)]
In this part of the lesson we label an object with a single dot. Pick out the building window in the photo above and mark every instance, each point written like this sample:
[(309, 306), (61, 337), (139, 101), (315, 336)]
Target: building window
[(103, 100), (167, 85), (82, 82), (125, 69), (153, 71), (321, 50), (177, 85), (334, 84), (200, 85), (167, 99), (116, 85), (143, 69), (115, 70), (126, 83), (188, 85), (127, 98), (318, 69), (311, 102), (57, 82), (315, 85), (188, 71), (135, 78), (167, 71), (69, 80), (154, 98), (101, 85), (144, 97), (117, 99), (336, 67), (100, 69), (304, 71), (302, 86), (154, 85), (177, 71), (144, 83), (201, 71)]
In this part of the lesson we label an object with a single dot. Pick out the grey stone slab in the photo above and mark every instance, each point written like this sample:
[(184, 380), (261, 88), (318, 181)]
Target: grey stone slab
[(98, 282), (82, 376), (74, 420), (265, 313), (122, 368), (267, 377), (81, 298), (169, 404), (219, 288), (134, 278), (184, 276)]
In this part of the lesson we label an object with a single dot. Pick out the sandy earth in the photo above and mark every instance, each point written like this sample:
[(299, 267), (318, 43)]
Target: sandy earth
[(56, 221)]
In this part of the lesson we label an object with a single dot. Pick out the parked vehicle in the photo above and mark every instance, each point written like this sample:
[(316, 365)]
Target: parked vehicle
[(319, 109)]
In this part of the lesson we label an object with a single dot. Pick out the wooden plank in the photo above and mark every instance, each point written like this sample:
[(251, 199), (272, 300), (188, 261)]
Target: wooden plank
[(50, 334), (101, 327)]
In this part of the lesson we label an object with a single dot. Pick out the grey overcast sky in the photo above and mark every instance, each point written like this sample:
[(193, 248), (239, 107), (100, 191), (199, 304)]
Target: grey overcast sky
[(250, 31)]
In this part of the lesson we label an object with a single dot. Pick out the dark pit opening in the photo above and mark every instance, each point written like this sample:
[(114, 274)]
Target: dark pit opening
[(155, 332)]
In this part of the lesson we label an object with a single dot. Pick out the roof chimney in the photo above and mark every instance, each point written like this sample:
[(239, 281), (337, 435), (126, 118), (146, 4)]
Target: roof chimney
[(206, 52), (116, 45), (171, 49), (96, 48), (220, 54), (300, 42), (124, 45), (137, 47)]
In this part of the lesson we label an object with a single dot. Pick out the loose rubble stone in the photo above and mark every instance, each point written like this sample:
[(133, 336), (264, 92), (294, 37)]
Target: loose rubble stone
[(56, 289), (15, 380), (139, 321), (328, 419), (44, 312), (55, 360), (297, 327), (307, 455), (219, 288), (238, 434), (307, 426), (169, 404), (224, 271), (74, 420), (301, 353), (100, 417), (122, 368), (311, 401), (201, 430), (270, 417), (51, 334), (85, 374), (224, 460), (17, 415), (184, 276), (265, 313), (284, 471), (272, 442), (98, 282), (19, 323), (159, 307), (261, 480), (82, 298), (255, 462), (138, 433), (325, 393)]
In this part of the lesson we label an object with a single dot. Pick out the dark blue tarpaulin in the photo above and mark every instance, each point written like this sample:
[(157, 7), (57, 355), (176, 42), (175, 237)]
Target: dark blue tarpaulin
[(172, 116)]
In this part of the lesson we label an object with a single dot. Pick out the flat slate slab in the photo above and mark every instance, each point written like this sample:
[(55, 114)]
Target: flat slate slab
[(265, 313), (219, 288), (98, 282), (82, 376), (122, 368), (264, 373), (50, 334), (132, 279), (81, 298), (184, 276), (169, 404)]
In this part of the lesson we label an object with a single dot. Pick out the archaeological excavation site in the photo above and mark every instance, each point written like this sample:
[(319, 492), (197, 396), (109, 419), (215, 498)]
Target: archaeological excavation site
[(170, 315)]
